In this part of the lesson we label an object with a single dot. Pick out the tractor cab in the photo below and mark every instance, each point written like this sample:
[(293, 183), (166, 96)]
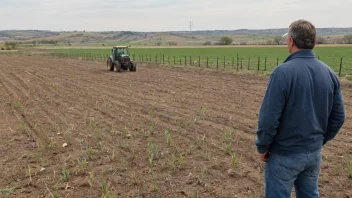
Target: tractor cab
[(120, 51)]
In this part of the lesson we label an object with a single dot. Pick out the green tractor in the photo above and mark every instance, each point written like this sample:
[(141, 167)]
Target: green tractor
[(120, 60)]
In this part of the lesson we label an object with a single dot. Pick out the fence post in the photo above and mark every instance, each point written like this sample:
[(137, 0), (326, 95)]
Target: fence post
[(156, 59), (190, 60), (241, 63), (249, 62), (174, 60), (340, 67), (142, 58), (217, 62), (207, 61), (199, 61), (180, 61), (224, 61), (233, 61), (168, 59), (258, 62), (237, 60), (265, 64), (185, 60), (163, 59), (237, 67)]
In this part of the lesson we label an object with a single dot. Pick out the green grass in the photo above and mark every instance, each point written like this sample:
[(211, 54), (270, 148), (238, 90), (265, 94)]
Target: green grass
[(249, 55)]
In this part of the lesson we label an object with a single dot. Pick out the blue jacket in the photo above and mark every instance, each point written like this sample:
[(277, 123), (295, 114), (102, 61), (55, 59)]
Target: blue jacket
[(303, 106)]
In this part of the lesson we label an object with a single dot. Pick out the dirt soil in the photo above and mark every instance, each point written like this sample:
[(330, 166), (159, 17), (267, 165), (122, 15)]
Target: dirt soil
[(116, 126)]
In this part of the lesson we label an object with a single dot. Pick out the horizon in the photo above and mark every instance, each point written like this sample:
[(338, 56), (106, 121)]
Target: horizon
[(166, 31)]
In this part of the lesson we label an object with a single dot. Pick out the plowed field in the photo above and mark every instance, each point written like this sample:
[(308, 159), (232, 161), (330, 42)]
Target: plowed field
[(158, 132)]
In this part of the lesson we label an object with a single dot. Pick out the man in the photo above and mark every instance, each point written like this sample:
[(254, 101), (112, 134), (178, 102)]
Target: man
[(302, 110)]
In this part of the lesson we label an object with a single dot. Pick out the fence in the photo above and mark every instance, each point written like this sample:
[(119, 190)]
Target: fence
[(341, 66)]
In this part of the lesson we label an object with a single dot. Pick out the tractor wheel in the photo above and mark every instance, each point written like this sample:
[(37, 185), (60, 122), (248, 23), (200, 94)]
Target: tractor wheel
[(118, 67), (133, 67), (111, 64)]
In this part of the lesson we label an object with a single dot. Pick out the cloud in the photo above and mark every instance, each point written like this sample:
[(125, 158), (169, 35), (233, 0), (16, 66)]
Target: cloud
[(165, 15)]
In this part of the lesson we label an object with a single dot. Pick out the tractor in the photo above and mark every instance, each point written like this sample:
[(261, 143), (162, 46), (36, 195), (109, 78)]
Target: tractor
[(120, 60)]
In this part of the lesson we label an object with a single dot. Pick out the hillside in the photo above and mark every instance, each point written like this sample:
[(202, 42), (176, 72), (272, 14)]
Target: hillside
[(241, 36)]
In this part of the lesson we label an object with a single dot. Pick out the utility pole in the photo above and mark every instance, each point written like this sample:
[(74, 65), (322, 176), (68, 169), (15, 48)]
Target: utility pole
[(191, 25)]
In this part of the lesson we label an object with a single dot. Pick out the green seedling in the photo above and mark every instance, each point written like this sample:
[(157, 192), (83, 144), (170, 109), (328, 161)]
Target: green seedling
[(152, 128), (90, 152), (82, 164), (152, 149), (228, 141), (150, 159), (350, 169), (133, 178), (202, 176), (168, 138), (203, 111), (51, 143), (30, 174), (124, 132), (65, 174), (233, 161), (113, 154), (154, 188), (6, 191), (91, 179), (173, 162), (17, 104), (195, 195), (182, 161), (105, 190)]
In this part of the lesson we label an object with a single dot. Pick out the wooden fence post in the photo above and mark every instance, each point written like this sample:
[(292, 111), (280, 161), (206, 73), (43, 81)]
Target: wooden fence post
[(224, 61), (340, 67), (217, 62)]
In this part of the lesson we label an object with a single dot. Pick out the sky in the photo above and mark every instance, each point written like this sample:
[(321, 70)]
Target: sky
[(169, 15)]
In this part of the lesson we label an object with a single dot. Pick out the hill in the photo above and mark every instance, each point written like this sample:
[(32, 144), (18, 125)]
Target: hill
[(241, 36)]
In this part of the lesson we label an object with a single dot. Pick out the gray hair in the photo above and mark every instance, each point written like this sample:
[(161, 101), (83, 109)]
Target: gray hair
[(303, 34)]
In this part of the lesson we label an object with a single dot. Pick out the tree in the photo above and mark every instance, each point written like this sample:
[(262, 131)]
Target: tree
[(277, 40), (322, 40), (225, 40), (348, 39), (269, 42), (11, 45), (207, 43)]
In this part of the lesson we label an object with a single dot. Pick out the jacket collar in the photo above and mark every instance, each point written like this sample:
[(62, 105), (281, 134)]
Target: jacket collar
[(305, 53)]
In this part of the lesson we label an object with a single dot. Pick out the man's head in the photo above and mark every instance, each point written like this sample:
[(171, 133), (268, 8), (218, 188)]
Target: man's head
[(301, 35)]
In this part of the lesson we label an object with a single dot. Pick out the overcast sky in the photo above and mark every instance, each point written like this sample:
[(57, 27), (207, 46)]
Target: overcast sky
[(168, 15)]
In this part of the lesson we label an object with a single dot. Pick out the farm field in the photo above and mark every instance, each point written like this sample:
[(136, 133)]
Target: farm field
[(331, 55), (70, 128)]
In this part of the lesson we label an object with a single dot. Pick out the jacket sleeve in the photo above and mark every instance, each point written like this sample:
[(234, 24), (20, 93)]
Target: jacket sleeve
[(270, 112), (336, 117)]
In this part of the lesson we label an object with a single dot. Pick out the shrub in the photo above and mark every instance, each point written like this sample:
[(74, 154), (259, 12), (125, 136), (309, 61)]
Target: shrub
[(225, 40)]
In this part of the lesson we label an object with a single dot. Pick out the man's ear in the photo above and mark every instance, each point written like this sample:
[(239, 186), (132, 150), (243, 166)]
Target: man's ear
[(292, 43)]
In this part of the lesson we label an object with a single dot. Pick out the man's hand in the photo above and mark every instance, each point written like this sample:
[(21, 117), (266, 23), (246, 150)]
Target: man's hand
[(265, 156)]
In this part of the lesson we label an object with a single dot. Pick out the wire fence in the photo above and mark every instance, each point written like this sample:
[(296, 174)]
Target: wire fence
[(342, 67)]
